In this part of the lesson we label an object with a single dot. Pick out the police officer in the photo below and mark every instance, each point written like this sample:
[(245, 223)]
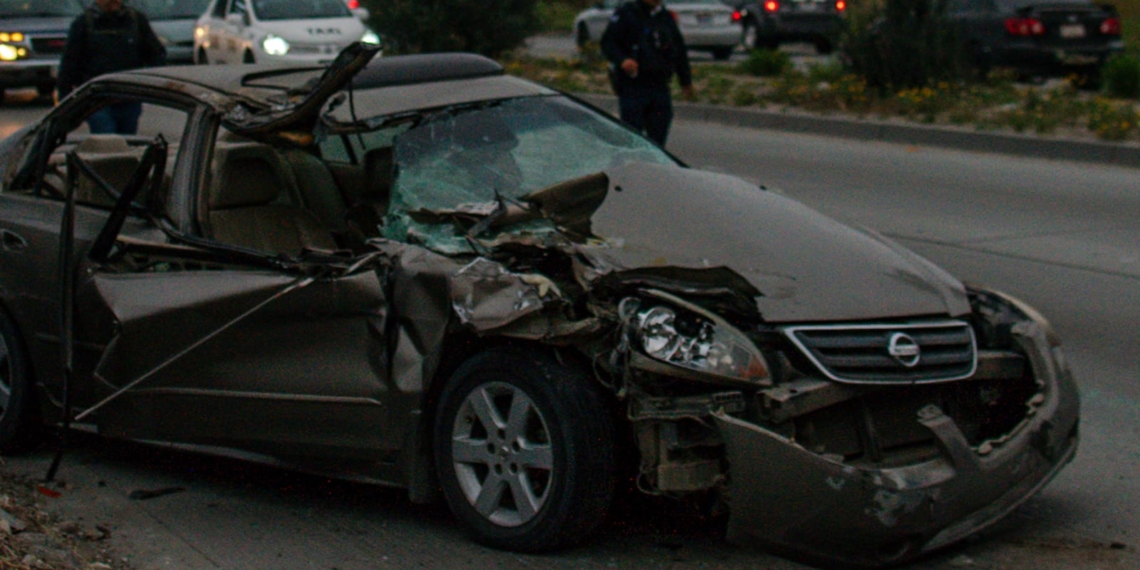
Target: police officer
[(109, 37), (645, 49)]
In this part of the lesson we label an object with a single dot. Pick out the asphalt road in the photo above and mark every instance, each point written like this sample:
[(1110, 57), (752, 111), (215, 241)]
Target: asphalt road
[(1063, 236)]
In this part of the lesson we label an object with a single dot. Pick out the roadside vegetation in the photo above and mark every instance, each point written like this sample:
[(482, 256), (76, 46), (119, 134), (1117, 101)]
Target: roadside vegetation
[(934, 85)]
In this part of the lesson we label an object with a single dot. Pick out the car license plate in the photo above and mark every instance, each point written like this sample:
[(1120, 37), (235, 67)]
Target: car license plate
[(808, 6), (1072, 31)]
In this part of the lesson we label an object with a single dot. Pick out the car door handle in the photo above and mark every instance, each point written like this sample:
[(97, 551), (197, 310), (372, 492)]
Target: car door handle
[(12, 242)]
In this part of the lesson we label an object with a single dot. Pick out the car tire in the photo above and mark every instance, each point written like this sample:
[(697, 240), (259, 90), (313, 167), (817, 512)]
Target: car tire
[(19, 417), (753, 40), (524, 449), (247, 57), (582, 35), (722, 54)]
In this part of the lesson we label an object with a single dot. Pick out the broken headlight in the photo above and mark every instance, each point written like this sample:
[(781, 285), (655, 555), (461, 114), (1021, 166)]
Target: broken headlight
[(697, 341)]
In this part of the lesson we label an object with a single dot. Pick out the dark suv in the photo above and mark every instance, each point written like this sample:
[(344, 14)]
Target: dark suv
[(768, 23), (32, 36), (1038, 38)]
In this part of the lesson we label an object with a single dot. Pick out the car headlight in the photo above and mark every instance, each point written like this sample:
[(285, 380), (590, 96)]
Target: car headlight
[(702, 343), (12, 53), (274, 45), (370, 37)]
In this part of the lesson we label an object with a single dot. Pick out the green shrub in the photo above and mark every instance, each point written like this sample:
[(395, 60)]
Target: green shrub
[(1113, 121), (554, 16), (903, 44), (488, 27), (1121, 76), (766, 63)]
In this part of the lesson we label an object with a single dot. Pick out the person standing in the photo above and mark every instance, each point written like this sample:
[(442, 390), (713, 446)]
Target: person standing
[(106, 38), (645, 49)]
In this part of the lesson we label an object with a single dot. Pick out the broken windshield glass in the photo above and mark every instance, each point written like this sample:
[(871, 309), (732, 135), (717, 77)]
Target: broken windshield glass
[(470, 158)]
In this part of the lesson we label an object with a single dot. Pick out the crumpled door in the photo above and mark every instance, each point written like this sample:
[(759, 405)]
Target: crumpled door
[(263, 361)]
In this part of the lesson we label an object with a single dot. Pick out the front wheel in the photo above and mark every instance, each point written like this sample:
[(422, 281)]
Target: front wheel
[(19, 417), (524, 447)]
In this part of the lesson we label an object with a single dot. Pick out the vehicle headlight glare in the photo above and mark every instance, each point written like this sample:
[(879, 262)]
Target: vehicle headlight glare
[(700, 344), (9, 53), (370, 37), (274, 45)]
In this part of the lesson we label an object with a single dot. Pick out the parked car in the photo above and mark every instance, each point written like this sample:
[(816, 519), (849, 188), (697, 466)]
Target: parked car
[(1038, 38), (769, 23), (32, 38), (450, 277), (706, 25), (256, 31)]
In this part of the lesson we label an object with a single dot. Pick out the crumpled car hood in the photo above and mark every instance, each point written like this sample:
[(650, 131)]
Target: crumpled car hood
[(807, 266)]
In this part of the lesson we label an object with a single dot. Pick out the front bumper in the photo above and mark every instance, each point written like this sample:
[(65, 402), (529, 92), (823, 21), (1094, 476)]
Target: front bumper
[(28, 73), (783, 494)]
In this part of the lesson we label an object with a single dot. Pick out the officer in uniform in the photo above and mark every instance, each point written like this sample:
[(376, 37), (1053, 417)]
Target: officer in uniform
[(106, 38), (645, 48)]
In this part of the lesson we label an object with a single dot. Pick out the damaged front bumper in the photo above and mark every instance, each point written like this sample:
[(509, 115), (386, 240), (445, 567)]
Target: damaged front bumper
[(788, 496)]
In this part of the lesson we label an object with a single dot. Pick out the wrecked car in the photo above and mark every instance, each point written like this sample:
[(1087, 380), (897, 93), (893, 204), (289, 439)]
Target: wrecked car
[(422, 272)]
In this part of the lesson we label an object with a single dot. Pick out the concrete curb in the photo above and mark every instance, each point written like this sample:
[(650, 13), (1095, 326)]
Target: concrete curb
[(1118, 154)]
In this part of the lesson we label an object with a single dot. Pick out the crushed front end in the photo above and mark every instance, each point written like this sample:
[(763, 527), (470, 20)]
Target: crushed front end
[(866, 443)]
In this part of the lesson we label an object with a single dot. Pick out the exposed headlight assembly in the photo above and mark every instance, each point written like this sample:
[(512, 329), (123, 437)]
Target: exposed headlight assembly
[(683, 335), (274, 45)]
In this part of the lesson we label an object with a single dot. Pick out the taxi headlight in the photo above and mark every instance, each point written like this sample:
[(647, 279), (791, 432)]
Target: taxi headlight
[(370, 37), (274, 45)]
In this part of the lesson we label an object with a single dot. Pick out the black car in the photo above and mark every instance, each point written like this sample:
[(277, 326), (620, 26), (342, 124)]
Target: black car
[(1038, 38), (768, 23)]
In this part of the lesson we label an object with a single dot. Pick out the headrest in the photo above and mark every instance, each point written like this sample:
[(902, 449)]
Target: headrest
[(102, 144), (246, 175)]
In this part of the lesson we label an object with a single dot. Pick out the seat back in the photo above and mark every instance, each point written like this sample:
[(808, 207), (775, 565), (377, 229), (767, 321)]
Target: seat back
[(248, 204), (112, 158), (317, 188)]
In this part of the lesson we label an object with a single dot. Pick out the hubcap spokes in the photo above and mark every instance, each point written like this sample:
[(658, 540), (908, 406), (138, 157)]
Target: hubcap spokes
[(502, 455)]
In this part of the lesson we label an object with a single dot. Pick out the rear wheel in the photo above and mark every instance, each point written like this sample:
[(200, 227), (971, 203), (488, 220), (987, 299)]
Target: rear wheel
[(582, 36), (524, 451), (19, 418), (722, 54), (754, 40)]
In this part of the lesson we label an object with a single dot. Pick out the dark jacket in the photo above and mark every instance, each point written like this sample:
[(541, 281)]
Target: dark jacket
[(100, 42), (651, 38)]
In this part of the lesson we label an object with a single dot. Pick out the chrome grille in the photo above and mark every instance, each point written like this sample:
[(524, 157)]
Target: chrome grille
[(911, 353)]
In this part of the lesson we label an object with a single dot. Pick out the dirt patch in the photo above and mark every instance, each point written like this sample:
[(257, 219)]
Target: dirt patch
[(31, 538)]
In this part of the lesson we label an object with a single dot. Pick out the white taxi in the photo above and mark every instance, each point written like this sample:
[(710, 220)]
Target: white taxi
[(259, 31)]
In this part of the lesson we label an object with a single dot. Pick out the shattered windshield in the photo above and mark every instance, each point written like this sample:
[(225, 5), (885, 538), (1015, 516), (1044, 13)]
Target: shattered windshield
[(465, 157)]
